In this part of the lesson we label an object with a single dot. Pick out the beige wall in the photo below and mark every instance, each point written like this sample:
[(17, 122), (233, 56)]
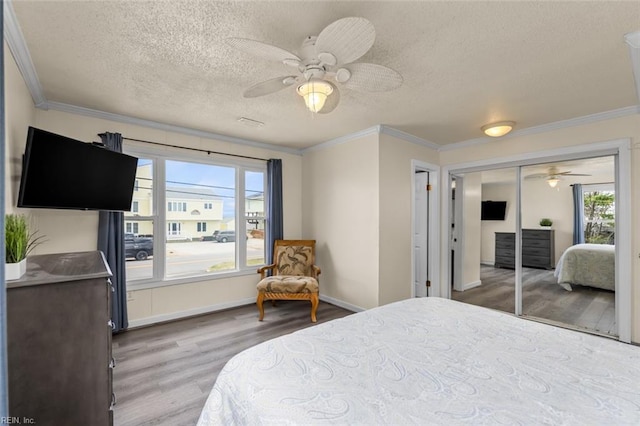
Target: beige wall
[(357, 205), (340, 211), (395, 215), (497, 192), (19, 115), (472, 195), (605, 130)]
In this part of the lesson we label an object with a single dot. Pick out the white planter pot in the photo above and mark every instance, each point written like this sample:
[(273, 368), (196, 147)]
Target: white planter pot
[(15, 271)]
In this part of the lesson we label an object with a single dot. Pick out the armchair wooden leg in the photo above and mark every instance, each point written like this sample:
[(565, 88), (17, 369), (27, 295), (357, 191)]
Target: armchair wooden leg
[(260, 307), (314, 306)]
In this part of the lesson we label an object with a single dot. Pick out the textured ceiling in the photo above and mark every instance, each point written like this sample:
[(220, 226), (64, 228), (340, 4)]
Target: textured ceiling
[(464, 63)]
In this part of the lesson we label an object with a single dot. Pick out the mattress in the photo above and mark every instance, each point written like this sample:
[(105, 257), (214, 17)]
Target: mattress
[(429, 361), (592, 265)]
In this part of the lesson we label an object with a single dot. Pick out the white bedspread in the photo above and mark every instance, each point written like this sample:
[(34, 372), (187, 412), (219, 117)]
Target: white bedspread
[(593, 265), (430, 361)]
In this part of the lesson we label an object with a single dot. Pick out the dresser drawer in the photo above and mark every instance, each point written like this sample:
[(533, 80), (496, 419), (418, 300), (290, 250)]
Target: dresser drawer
[(505, 245), (508, 253), (535, 251), (505, 237), (528, 242), (536, 234), (536, 261), (505, 262)]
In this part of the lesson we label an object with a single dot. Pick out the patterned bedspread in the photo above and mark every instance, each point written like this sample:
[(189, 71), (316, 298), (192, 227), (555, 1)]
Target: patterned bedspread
[(430, 361), (593, 265)]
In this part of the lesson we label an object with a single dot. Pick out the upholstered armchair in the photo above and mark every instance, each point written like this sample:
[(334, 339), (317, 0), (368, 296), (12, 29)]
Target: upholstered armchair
[(294, 275)]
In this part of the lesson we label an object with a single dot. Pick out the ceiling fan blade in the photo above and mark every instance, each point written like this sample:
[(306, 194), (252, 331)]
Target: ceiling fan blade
[(572, 174), (332, 100), (372, 78), (538, 176), (347, 39), (262, 50), (269, 86)]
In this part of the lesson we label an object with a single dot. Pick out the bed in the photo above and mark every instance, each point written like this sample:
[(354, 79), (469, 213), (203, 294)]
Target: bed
[(429, 361), (590, 265)]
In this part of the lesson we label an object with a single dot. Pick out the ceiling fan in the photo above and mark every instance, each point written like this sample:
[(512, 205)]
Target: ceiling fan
[(553, 176), (325, 61)]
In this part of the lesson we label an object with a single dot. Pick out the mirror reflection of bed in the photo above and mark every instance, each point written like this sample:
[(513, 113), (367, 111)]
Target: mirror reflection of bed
[(576, 286)]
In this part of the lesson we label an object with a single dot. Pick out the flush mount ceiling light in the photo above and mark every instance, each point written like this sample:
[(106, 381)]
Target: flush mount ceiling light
[(553, 181), (315, 93), (498, 129)]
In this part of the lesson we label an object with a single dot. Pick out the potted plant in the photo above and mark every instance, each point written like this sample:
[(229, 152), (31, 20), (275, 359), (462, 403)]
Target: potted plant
[(545, 222), (19, 241)]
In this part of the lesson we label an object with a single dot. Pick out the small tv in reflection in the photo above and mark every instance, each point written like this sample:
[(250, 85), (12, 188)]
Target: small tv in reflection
[(493, 210)]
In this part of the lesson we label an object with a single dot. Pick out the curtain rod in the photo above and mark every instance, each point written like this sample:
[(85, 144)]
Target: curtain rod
[(208, 152)]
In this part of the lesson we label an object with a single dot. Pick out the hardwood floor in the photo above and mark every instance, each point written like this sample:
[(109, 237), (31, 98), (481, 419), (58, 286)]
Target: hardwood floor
[(584, 307), (164, 372)]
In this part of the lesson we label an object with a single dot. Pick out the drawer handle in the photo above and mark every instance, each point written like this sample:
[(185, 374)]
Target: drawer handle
[(112, 363), (112, 325), (113, 400)]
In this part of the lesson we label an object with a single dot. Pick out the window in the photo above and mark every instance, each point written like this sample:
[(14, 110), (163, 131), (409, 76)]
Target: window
[(599, 213), (142, 223), (176, 206), (226, 236)]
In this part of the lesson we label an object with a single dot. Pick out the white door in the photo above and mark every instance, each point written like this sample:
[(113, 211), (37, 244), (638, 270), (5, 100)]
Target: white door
[(421, 234)]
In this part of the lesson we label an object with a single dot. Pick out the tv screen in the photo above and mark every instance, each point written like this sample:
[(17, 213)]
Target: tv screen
[(493, 210), (64, 173)]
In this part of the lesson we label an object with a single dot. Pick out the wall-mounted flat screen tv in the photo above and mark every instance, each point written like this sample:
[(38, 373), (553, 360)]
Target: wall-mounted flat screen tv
[(63, 173), (493, 210)]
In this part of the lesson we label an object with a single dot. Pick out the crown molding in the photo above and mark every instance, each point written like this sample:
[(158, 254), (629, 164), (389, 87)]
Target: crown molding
[(20, 51), (88, 112), (343, 139), (379, 129), (563, 124), (633, 42), (384, 129)]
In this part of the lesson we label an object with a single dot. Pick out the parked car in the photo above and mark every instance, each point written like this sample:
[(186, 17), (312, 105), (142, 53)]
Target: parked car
[(224, 236), (139, 248)]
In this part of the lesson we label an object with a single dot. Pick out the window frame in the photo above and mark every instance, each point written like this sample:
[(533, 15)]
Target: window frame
[(160, 223)]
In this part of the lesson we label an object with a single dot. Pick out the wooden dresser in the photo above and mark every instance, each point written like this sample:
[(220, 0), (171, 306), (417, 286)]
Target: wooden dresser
[(538, 249), (59, 341)]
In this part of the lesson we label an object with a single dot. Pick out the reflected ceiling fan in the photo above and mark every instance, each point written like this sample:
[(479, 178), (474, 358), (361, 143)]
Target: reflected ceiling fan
[(324, 63), (553, 176)]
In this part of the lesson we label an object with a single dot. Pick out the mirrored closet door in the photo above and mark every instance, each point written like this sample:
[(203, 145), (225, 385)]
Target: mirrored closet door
[(538, 241)]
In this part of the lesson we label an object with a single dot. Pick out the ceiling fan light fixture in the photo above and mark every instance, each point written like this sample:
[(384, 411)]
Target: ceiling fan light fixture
[(553, 181), (315, 94), (498, 129)]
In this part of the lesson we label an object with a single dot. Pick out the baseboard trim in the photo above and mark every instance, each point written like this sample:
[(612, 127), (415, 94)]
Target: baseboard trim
[(473, 284), (341, 304), (156, 319)]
